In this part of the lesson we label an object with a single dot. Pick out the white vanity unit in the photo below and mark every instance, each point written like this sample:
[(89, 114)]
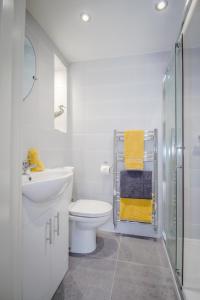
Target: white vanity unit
[(46, 197)]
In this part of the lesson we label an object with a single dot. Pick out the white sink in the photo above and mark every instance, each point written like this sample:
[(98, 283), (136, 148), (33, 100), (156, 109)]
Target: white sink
[(46, 185)]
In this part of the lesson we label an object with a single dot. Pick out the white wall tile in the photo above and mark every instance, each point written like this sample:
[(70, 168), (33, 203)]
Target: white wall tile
[(123, 93)]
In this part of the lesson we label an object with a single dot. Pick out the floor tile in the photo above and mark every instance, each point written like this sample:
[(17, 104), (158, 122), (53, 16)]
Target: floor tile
[(143, 251), (121, 268), (107, 246), (89, 279), (139, 282)]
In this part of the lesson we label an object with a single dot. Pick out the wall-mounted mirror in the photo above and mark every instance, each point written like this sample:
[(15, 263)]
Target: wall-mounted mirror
[(29, 75)]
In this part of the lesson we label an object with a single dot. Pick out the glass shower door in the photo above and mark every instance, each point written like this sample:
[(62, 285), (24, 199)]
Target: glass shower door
[(173, 162), (179, 160), (169, 163)]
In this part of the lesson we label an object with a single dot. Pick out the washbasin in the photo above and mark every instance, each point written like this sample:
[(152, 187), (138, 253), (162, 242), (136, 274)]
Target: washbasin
[(46, 185)]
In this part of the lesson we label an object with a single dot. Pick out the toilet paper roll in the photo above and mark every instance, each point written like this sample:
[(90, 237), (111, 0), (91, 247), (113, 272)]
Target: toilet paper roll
[(105, 169)]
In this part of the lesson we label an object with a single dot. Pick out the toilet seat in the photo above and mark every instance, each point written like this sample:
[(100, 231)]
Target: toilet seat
[(90, 208)]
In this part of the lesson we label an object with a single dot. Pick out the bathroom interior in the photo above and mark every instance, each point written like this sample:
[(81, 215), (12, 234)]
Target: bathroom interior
[(100, 151)]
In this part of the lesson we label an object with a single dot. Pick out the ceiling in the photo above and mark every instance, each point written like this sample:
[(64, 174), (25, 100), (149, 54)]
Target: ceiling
[(117, 27)]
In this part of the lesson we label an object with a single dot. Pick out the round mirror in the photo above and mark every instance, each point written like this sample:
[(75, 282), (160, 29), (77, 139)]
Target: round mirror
[(29, 68)]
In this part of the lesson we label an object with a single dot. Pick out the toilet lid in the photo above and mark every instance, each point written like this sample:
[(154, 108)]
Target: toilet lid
[(90, 208)]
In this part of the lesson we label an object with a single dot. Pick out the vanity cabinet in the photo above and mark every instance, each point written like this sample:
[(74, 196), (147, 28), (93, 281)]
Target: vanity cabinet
[(37, 252), (60, 247), (45, 252)]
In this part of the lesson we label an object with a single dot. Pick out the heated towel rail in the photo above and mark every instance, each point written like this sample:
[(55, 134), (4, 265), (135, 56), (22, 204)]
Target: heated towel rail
[(150, 163)]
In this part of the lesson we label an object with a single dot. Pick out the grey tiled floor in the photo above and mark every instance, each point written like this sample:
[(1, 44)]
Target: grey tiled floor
[(121, 268)]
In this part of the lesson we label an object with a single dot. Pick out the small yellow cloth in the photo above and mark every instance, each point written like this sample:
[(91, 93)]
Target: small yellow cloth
[(139, 210), (134, 149), (34, 159)]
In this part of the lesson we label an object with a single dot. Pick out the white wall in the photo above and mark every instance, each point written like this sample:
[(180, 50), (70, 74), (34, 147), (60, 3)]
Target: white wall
[(121, 93), (38, 108), (12, 23)]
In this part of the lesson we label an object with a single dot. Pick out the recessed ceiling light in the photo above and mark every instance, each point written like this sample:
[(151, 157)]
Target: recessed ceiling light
[(161, 5), (85, 17)]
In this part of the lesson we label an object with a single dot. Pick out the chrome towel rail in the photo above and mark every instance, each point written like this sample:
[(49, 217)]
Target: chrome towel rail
[(150, 159)]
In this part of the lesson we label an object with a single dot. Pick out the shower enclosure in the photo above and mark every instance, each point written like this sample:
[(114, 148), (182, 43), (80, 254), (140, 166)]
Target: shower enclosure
[(181, 156), (191, 60), (173, 160)]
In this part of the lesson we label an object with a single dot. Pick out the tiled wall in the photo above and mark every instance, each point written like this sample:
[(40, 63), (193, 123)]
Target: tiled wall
[(38, 108), (121, 93)]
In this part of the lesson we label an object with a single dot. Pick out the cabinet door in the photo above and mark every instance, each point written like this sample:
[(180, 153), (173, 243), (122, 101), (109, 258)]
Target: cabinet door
[(37, 238), (60, 249)]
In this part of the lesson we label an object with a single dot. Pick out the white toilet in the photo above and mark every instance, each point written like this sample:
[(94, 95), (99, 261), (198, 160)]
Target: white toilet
[(85, 216)]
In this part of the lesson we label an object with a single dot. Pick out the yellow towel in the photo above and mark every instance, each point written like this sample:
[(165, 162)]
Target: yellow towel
[(34, 159), (139, 210), (134, 149)]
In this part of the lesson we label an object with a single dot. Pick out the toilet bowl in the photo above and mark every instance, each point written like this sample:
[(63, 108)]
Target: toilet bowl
[(85, 216)]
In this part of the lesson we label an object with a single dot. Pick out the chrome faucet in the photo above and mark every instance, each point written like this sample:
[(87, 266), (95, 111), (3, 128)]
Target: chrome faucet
[(26, 166)]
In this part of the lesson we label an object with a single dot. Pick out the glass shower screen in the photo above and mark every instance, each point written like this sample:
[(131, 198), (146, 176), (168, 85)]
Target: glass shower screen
[(173, 161)]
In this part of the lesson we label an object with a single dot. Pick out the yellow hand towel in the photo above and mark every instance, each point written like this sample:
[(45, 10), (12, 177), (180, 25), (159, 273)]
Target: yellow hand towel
[(34, 159), (139, 210), (134, 149)]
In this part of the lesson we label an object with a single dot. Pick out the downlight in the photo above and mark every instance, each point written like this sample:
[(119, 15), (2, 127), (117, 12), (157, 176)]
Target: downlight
[(161, 5), (85, 17)]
